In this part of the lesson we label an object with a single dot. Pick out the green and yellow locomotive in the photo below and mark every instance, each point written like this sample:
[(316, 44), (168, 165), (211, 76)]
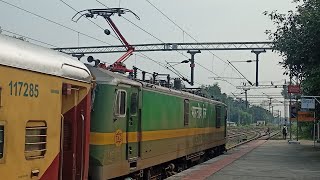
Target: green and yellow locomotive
[(63, 120), (141, 129)]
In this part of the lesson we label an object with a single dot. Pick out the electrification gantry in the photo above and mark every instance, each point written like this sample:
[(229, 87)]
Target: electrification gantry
[(168, 47)]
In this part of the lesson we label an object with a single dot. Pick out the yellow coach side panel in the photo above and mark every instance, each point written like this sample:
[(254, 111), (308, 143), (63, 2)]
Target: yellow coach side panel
[(30, 109)]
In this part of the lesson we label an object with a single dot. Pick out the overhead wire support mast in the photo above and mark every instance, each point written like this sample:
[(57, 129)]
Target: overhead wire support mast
[(117, 66)]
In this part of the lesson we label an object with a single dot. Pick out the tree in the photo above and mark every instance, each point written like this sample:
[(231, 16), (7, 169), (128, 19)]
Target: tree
[(297, 40), (238, 110)]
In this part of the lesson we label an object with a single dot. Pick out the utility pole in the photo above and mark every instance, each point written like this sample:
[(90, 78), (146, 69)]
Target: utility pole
[(297, 111), (239, 118), (290, 101), (280, 118), (257, 52), (245, 91), (272, 114), (270, 104), (229, 112), (246, 95), (192, 65), (285, 108)]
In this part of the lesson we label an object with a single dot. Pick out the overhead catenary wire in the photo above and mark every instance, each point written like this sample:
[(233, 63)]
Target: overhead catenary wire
[(215, 74), (33, 39), (51, 21), (86, 17), (145, 56), (163, 41), (240, 73), (29, 38), (159, 63), (172, 21), (59, 24), (167, 17), (133, 23)]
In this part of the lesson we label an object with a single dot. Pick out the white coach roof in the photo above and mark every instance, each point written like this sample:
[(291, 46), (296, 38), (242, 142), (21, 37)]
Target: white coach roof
[(23, 55)]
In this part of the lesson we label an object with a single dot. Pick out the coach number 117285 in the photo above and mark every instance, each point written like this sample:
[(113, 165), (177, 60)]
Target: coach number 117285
[(24, 89)]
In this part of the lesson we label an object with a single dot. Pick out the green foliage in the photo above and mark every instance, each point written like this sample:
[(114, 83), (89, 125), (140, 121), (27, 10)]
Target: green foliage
[(297, 40), (237, 107), (305, 130)]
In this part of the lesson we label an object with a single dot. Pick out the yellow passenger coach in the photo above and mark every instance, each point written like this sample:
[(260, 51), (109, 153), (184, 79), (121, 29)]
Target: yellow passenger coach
[(44, 113)]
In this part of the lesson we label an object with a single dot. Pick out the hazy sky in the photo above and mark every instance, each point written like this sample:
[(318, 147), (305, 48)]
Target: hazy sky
[(205, 20)]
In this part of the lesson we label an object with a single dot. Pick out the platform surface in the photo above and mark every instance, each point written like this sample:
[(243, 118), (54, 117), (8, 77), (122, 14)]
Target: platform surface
[(261, 159)]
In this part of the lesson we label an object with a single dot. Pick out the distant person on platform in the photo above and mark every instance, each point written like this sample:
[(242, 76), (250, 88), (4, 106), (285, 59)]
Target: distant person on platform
[(284, 132)]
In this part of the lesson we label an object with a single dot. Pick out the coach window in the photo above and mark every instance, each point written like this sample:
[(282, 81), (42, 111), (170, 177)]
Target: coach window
[(120, 105), (186, 112), (134, 103), (218, 116), (1, 140), (35, 140)]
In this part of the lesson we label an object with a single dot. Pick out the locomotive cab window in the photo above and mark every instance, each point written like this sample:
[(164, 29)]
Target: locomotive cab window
[(218, 116), (134, 103), (1, 141), (35, 140), (120, 103)]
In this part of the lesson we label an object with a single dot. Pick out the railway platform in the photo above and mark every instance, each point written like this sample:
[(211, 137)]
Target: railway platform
[(260, 159)]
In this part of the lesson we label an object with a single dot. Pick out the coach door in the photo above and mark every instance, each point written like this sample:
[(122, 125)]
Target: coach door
[(72, 134), (133, 127)]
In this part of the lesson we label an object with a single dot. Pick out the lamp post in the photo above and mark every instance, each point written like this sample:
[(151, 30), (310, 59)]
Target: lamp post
[(192, 65), (247, 61), (177, 62), (257, 52)]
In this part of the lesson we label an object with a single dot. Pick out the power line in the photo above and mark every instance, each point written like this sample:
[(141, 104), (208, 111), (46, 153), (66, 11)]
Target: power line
[(229, 64), (141, 28), (185, 31), (27, 37), (214, 74), (49, 20), (134, 24), (180, 75), (87, 18), (180, 27), (240, 73), (163, 41), (145, 56)]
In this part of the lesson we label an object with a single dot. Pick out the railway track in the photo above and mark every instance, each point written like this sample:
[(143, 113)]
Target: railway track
[(237, 137)]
